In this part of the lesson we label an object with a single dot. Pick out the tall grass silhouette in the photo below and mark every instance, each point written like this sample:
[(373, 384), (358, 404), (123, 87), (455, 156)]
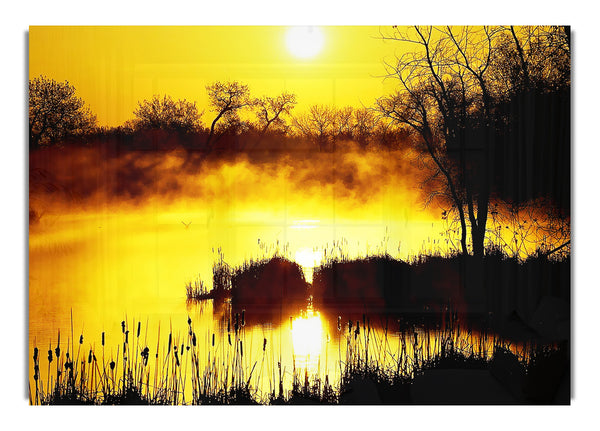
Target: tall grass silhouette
[(176, 372)]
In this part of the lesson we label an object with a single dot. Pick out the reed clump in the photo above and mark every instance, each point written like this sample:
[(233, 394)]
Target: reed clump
[(260, 283), (495, 284), (197, 291)]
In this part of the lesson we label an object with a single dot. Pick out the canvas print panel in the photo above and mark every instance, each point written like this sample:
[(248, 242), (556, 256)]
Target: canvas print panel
[(299, 215)]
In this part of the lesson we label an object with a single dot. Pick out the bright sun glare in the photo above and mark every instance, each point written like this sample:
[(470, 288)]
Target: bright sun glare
[(307, 335), (304, 42), (308, 257)]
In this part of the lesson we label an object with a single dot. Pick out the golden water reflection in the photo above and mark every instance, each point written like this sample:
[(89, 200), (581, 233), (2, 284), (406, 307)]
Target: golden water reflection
[(88, 273), (270, 356)]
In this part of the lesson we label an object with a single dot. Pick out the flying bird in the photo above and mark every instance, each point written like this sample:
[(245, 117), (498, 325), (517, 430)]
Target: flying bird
[(186, 224)]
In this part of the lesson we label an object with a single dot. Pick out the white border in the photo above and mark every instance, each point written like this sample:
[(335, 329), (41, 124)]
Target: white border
[(15, 21)]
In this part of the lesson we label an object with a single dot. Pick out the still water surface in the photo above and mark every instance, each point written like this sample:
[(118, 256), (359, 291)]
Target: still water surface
[(89, 272), (107, 267)]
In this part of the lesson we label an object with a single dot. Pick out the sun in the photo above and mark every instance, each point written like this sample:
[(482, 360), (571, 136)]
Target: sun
[(304, 42), (308, 258)]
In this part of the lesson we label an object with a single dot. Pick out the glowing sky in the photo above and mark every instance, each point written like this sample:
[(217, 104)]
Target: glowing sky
[(112, 68)]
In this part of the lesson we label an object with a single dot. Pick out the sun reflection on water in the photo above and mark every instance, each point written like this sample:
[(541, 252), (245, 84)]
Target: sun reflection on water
[(307, 336)]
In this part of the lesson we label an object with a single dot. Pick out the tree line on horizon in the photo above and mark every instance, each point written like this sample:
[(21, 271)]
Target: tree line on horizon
[(56, 115)]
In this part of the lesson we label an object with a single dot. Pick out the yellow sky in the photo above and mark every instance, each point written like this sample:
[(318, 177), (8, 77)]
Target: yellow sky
[(113, 68)]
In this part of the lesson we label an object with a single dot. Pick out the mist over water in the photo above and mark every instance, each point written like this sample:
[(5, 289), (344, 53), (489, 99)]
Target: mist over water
[(118, 237)]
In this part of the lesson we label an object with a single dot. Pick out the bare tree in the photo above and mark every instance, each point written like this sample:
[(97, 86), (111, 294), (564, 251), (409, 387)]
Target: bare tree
[(316, 124), (302, 126), (459, 90), (531, 84), (167, 114), (227, 99), (471, 52), (55, 112), (271, 110), (445, 98), (343, 125), (531, 58), (365, 124), (414, 109)]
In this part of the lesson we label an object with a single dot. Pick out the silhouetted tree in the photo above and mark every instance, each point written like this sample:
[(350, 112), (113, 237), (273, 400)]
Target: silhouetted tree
[(453, 86), (531, 83), (429, 103), (365, 124), (317, 124), (531, 59), (55, 112), (167, 114), (232, 124), (227, 99), (343, 124), (270, 110)]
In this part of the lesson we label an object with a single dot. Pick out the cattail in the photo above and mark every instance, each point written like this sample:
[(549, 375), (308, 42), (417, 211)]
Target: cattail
[(50, 355), (243, 318), (189, 321), (103, 338), (181, 348), (127, 337), (35, 354), (241, 348), (229, 338), (169, 348), (112, 365), (194, 339), (57, 350), (339, 323), (90, 357), (139, 328), (81, 339), (213, 340), (123, 326), (264, 344)]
